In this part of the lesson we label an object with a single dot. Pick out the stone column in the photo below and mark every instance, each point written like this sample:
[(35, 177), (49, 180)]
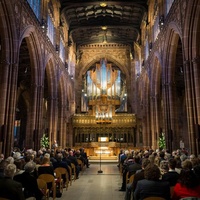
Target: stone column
[(153, 118), (192, 93), (52, 113), (196, 66), (8, 97), (167, 120)]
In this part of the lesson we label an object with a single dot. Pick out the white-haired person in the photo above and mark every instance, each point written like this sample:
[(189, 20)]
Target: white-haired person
[(10, 189), (29, 182)]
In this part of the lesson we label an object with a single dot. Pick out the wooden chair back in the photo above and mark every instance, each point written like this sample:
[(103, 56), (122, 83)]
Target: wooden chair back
[(171, 191), (64, 173), (131, 178), (154, 198), (48, 178), (42, 185), (59, 180), (70, 175), (80, 163), (73, 170)]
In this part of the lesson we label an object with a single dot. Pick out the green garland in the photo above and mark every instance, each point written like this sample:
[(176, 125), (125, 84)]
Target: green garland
[(161, 142), (44, 142)]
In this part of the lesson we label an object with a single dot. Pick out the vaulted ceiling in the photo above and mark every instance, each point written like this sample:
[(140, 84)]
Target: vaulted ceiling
[(104, 21)]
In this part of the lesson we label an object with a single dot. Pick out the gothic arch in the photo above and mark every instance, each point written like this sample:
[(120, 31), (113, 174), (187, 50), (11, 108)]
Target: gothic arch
[(191, 49), (29, 54), (155, 99), (110, 58), (174, 88)]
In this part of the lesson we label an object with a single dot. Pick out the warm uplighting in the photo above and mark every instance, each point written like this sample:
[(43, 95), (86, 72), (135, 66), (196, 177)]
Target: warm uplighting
[(103, 4), (104, 28)]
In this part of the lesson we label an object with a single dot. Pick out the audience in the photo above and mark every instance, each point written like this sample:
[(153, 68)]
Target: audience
[(29, 182), (154, 172), (139, 175), (46, 167), (152, 185), (171, 176), (10, 189), (188, 185), (73, 160)]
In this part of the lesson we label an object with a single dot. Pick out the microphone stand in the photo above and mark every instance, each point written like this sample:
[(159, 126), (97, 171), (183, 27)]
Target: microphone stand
[(100, 171)]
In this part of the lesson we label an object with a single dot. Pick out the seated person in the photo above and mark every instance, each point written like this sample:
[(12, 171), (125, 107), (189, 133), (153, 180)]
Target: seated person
[(61, 163), (131, 165), (73, 160), (152, 186), (188, 185), (29, 182), (10, 189), (46, 167), (171, 176), (139, 175)]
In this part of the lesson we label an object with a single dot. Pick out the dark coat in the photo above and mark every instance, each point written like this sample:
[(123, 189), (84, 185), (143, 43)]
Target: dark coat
[(46, 170), (11, 189), (29, 184), (171, 177), (148, 188)]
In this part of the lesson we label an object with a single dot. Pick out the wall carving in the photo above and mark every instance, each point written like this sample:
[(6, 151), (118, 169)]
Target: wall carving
[(119, 53)]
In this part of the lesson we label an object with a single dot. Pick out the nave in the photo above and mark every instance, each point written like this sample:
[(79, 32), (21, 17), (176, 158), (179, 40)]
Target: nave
[(93, 185)]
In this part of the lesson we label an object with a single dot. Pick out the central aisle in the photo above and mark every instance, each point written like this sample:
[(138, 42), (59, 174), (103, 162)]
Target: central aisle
[(94, 186)]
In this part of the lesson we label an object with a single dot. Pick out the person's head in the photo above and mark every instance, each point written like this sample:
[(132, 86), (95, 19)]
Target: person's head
[(28, 158), (183, 157), (152, 172), (192, 156), (188, 178), (172, 163), (145, 162), (1, 157), (10, 160), (17, 156), (195, 161), (59, 157), (164, 167), (29, 167), (45, 160), (187, 164), (65, 154), (47, 155), (3, 165), (71, 153), (162, 154), (152, 158), (196, 171), (10, 170), (137, 159), (178, 162)]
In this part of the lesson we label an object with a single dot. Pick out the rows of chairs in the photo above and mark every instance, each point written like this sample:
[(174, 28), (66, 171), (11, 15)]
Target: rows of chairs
[(130, 179), (61, 180)]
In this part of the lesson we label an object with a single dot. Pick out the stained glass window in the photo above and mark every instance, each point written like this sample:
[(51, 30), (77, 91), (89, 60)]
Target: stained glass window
[(36, 6), (50, 29)]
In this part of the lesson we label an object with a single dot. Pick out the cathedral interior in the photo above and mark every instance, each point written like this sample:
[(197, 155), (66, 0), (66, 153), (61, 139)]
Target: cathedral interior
[(103, 75)]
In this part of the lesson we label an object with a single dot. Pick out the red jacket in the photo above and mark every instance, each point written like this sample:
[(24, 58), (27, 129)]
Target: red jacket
[(182, 191)]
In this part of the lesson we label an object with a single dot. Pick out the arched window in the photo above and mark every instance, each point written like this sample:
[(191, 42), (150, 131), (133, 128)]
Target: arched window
[(36, 7), (156, 28), (168, 4), (62, 50), (50, 29), (146, 49)]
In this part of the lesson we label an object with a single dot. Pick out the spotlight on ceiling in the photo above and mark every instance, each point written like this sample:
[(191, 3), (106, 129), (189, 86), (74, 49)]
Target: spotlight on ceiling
[(103, 4), (104, 28)]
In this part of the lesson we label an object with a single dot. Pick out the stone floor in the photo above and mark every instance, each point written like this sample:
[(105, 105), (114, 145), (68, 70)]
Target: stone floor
[(92, 185)]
